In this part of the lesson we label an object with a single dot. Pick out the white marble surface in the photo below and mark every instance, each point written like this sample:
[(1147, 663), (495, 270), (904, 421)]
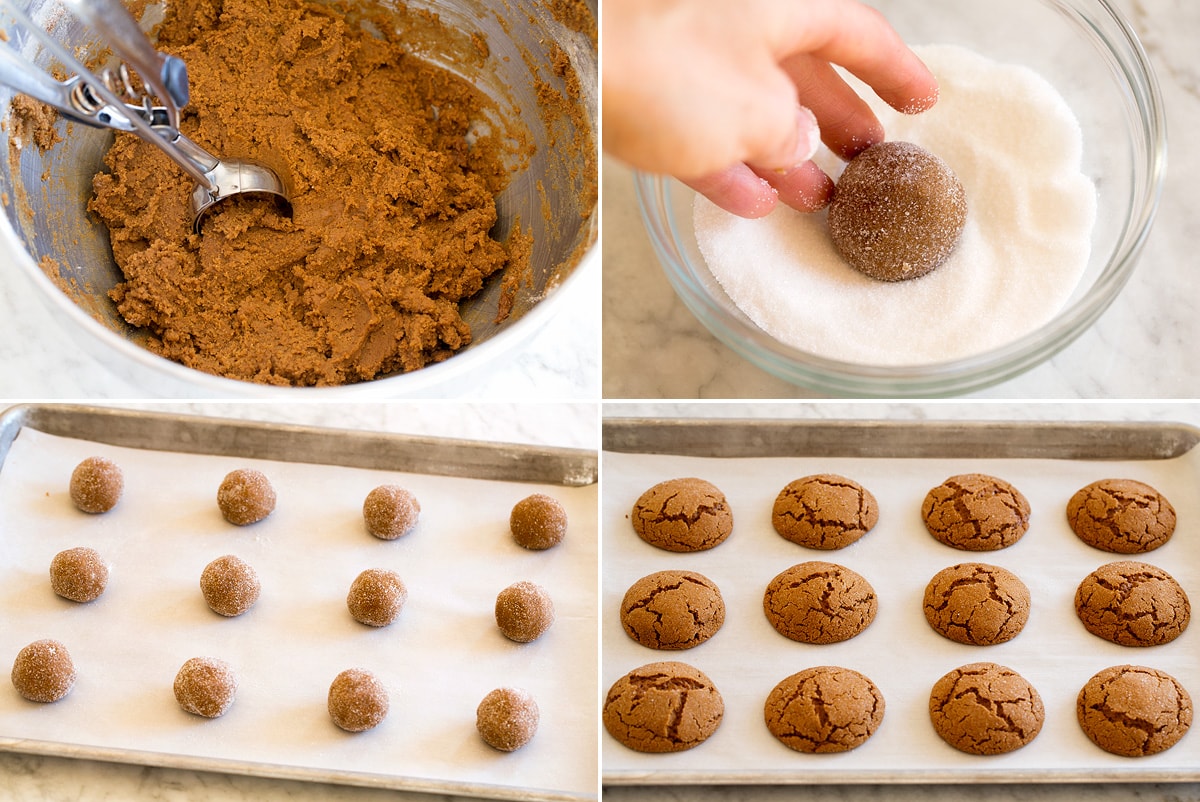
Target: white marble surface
[(1140, 347)]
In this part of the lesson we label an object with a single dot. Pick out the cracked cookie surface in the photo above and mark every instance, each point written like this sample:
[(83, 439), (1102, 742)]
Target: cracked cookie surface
[(824, 709), (683, 515), (976, 512), (672, 610), (986, 709), (977, 604), (820, 602), (663, 707), (1134, 710), (1122, 516), (1133, 604), (824, 511)]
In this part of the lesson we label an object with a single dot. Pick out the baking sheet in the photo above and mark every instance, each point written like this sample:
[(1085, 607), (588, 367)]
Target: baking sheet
[(439, 659), (899, 651)]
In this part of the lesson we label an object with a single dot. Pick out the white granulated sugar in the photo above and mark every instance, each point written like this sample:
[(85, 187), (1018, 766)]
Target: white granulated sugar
[(1016, 147)]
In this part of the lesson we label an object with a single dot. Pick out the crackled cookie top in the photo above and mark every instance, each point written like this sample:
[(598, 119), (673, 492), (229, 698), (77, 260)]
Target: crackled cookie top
[(683, 515), (1122, 516), (1134, 710), (985, 709), (663, 707), (1133, 604), (820, 602), (977, 604), (824, 709), (976, 512), (672, 610), (824, 511)]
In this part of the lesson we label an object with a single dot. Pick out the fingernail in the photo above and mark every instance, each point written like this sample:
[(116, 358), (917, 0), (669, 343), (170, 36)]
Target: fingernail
[(808, 137)]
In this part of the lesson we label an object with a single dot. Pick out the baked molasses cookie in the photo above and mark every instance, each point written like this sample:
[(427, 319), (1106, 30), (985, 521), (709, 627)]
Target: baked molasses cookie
[(820, 602), (1132, 604), (672, 610), (683, 515), (663, 707), (985, 709), (976, 512), (1122, 516), (824, 709), (824, 511), (538, 522), (43, 671), (1134, 711), (96, 485), (976, 604)]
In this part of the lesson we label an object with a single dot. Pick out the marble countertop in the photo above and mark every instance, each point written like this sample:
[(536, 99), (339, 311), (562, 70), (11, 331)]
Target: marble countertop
[(655, 348)]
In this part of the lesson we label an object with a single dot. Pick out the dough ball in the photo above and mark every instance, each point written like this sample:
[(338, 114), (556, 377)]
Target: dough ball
[(357, 700), (43, 671), (390, 511), (245, 497), (230, 585), (897, 212), (507, 719), (524, 611), (538, 522), (78, 574), (205, 686), (376, 597), (96, 485)]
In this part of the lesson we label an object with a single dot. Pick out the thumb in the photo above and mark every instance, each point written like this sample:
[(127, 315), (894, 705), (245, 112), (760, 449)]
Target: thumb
[(798, 145)]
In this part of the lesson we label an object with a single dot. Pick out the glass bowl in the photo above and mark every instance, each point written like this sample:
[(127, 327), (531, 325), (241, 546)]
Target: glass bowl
[(1089, 53)]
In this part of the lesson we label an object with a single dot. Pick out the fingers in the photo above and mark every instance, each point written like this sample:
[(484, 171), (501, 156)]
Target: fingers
[(848, 126), (798, 143), (754, 193), (805, 188)]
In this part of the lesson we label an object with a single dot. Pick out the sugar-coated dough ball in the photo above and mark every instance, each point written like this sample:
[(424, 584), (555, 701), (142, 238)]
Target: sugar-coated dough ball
[(376, 597), (390, 511), (358, 701), (96, 485), (205, 686), (538, 522), (43, 671), (78, 574), (246, 497), (230, 585), (524, 611), (507, 718)]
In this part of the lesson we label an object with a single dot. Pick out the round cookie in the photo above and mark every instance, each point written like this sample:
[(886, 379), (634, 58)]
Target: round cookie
[(976, 604), (1121, 515), (824, 709), (897, 212), (358, 701), (524, 610), (1134, 711), (245, 497), (230, 585), (824, 511), (390, 511), (96, 485), (507, 719), (976, 512), (663, 707), (78, 574), (538, 522), (672, 610), (985, 709), (376, 597), (43, 671), (205, 686), (683, 515), (820, 602), (1132, 604)]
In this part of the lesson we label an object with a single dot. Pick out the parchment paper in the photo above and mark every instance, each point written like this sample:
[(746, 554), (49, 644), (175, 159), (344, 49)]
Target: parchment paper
[(899, 651), (439, 659)]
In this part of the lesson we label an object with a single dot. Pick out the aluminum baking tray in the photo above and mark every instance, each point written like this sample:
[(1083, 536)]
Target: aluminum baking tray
[(751, 460)]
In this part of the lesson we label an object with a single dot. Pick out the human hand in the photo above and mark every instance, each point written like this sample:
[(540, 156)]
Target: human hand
[(734, 98)]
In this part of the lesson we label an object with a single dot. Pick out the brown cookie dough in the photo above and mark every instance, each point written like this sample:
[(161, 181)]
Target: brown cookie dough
[(390, 511), (672, 610), (524, 611), (358, 701), (683, 515), (1121, 515), (1134, 711), (376, 597), (205, 686), (245, 496), (824, 709), (538, 522), (96, 485), (78, 574), (663, 707), (1132, 604), (986, 709), (976, 604), (43, 671), (507, 719), (824, 511), (230, 585), (820, 602), (976, 512)]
